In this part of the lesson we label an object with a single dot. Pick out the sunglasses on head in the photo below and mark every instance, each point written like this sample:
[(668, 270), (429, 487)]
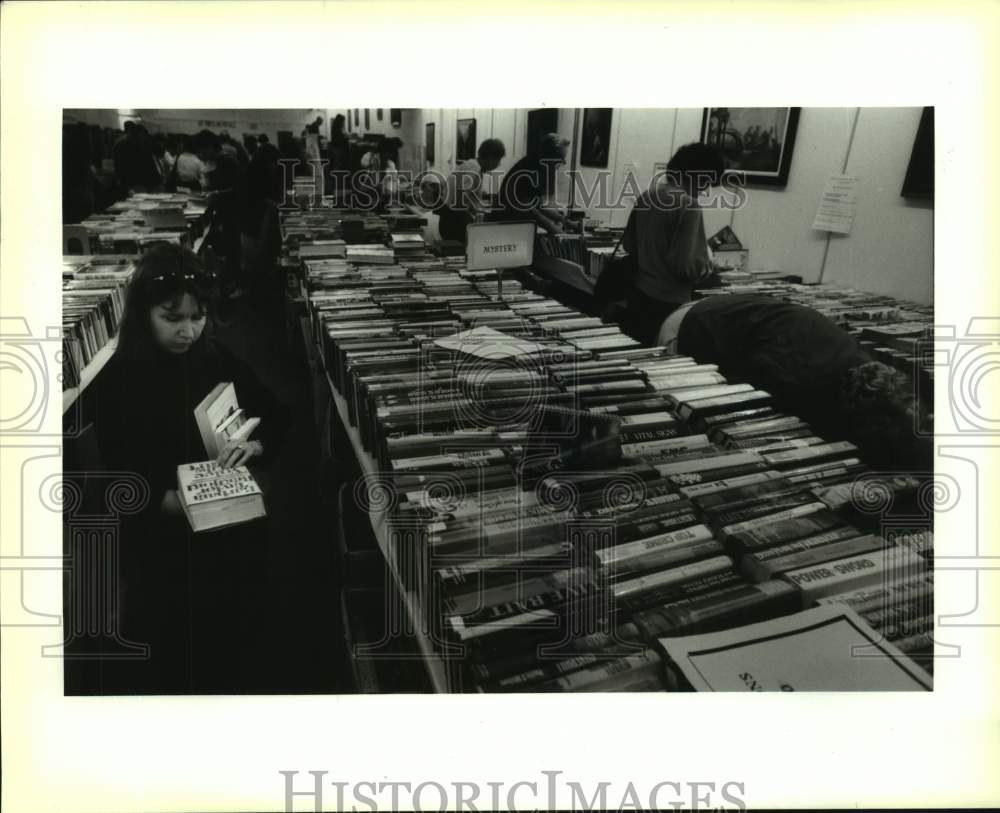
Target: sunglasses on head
[(202, 280)]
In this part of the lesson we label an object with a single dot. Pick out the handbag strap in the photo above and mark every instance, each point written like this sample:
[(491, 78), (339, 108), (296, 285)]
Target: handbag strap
[(628, 224)]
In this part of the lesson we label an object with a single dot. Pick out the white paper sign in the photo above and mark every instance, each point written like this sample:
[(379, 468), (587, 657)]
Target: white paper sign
[(838, 204), (821, 650), (500, 245), (487, 343)]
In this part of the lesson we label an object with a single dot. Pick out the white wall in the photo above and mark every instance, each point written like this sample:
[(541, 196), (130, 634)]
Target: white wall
[(890, 249), (891, 246)]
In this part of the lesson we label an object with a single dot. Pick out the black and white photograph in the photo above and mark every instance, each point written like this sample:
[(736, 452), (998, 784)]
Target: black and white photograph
[(595, 140), (541, 122), (465, 139), (429, 142), (403, 458), (721, 422), (754, 141)]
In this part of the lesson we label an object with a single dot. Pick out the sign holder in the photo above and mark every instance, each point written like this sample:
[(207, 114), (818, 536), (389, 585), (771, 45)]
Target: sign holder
[(500, 246)]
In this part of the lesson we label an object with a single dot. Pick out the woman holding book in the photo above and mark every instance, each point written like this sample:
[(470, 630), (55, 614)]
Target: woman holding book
[(183, 594)]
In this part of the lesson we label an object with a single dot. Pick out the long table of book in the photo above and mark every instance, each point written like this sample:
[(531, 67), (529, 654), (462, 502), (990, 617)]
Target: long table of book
[(566, 510), (93, 287)]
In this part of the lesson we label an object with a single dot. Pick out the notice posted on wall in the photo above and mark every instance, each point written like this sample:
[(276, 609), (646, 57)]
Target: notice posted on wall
[(838, 205)]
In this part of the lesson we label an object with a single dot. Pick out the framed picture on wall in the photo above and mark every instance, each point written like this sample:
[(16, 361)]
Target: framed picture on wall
[(396, 116), (540, 122), (595, 138), (755, 141), (919, 180), (378, 114), (429, 142), (368, 120), (356, 117), (348, 121), (465, 139)]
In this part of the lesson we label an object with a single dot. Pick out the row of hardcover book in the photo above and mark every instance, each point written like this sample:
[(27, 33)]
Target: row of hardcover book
[(592, 250), (93, 302), (559, 492)]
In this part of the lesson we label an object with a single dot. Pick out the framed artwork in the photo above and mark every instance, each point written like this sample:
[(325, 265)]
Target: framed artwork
[(429, 142), (755, 141), (368, 120), (465, 140), (919, 180), (348, 118), (378, 114), (540, 122), (355, 117), (395, 117), (595, 139)]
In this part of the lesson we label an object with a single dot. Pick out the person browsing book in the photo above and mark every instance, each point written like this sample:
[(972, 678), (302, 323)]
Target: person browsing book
[(465, 204), (190, 597), (666, 236), (526, 190), (811, 367)]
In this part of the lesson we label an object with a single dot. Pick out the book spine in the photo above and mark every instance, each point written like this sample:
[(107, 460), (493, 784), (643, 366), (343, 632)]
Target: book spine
[(773, 566), (854, 572), (782, 531), (671, 577), (872, 598), (580, 680), (747, 604)]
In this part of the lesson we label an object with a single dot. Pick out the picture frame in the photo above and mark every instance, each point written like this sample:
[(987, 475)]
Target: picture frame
[(356, 116), (429, 142), (756, 142), (595, 137), (396, 117), (919, 179), (368, 120), (348, 118), (465, 139), (378, 114), (540, 122)]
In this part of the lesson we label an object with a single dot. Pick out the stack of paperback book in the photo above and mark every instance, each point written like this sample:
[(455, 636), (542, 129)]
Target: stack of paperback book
[(566, 500)]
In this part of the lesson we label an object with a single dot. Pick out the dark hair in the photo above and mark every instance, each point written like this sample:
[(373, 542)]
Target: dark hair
[(698, 161), (164, 273), (492, 148), (881, 414)]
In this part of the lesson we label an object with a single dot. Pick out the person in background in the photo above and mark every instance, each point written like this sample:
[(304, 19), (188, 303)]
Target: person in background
[(194, 599), (464, 204), (164, 167), (528, 186), (666, 236), (315, 127), (338, 150), (190, 169), (260, 241), (427, 195), (811, 367), (79, 178), (226, 184)]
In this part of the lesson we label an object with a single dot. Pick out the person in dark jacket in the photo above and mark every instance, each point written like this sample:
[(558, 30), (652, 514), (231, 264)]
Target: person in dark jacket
[(666, 236), (811, 367), (192, 598)]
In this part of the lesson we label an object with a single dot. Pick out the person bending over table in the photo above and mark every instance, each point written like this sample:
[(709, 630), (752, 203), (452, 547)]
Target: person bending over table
[(812, 368)]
